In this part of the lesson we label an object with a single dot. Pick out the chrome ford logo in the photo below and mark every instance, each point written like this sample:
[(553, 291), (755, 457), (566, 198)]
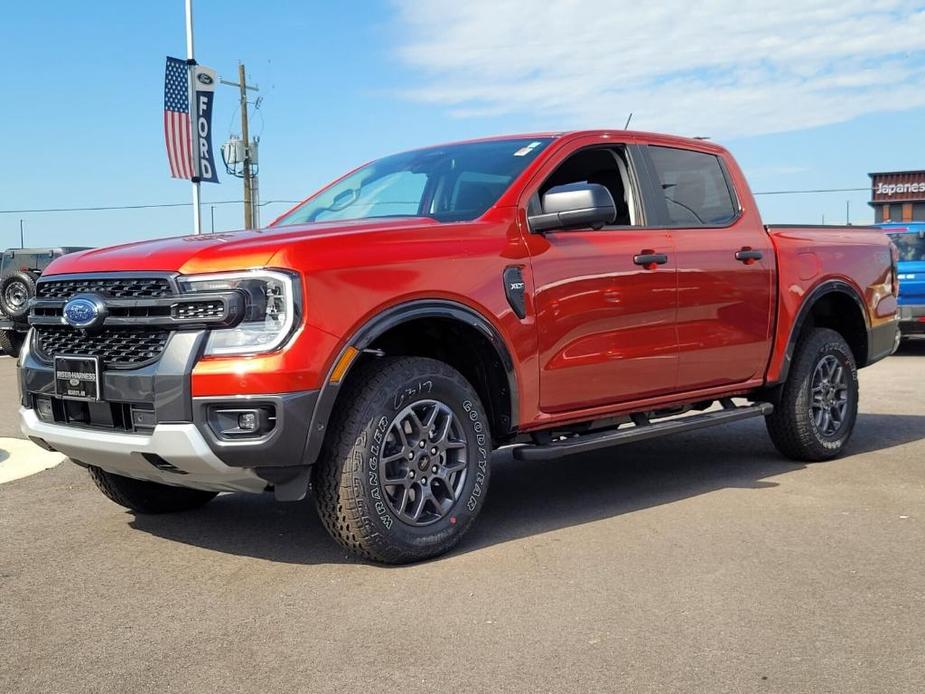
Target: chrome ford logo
[(83, 313)]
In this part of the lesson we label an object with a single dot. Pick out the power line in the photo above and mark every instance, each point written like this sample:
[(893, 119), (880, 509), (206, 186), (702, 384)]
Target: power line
[(817, 190), (139, 207)]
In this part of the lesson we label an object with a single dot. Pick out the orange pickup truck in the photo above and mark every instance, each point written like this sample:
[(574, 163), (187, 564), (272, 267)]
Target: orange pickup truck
[(554, 292)]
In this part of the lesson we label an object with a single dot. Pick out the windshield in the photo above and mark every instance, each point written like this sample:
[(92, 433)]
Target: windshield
[(911, 245), (450, 184)]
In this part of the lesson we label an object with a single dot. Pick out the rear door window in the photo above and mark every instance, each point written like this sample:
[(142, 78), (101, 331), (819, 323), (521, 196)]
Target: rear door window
[(694, 186)]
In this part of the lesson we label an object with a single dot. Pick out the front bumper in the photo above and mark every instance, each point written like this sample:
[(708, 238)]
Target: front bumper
[(175, 454), (178, 442), (7, 324)]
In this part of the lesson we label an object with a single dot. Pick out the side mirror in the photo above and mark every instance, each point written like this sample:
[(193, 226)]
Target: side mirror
[(575, 205)]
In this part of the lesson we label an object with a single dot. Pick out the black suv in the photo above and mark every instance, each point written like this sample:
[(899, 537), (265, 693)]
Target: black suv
[(19, 269)]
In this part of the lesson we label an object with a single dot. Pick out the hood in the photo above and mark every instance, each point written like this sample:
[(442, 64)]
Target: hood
[(236, 250)]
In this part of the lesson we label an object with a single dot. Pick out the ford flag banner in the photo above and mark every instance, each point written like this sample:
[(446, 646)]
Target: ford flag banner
[(189, 145)]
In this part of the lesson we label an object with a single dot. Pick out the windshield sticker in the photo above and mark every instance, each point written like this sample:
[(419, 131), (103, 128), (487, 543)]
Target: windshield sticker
[(524, 151)]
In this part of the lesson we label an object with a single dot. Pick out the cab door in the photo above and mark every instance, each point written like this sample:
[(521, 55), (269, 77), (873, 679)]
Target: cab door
[(726, 270), (605, 316)]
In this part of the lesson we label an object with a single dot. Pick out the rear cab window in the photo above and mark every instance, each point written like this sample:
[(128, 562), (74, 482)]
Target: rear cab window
[(910, 244), (695, 191), (13, 261)]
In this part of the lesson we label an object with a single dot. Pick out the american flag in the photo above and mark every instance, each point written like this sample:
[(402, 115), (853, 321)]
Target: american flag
[(176, 119)]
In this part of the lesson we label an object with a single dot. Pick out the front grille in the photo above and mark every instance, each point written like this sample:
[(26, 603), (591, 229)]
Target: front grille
[(115, 347), (114, 287)]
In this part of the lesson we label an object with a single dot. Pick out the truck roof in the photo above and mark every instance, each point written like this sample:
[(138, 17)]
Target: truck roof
[(643, 135), (900, 227)]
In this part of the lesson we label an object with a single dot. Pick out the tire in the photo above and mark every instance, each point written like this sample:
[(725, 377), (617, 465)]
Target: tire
[(424, 513), (16, 290), (798, 425), (11, 342), (148, 497)]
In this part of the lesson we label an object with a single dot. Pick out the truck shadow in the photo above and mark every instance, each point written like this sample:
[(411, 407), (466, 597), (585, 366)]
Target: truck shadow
[(527, 499)]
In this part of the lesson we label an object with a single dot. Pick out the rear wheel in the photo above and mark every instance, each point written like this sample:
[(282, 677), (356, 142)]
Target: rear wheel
[(819, 402), (11, 342), (405, 467), (148, 497)]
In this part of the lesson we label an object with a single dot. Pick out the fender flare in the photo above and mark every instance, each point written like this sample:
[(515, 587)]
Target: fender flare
[(824, 289), (386, 320)]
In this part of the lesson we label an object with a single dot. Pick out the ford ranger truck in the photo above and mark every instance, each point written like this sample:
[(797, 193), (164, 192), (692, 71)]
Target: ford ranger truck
[(554, 293)]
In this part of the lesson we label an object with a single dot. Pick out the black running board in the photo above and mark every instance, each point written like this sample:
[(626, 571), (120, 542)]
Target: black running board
[(640, 431)]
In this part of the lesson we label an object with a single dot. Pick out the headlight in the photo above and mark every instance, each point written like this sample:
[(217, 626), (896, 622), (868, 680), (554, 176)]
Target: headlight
[(269, 309)]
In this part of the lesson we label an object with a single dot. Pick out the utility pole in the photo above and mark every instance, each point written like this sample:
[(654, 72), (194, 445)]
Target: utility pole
[(194, 133), (248, 193), (22, 238), (250, 217), (848, 212)]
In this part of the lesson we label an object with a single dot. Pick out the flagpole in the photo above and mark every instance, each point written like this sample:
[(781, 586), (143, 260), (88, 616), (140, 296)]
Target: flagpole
[(194, 134)]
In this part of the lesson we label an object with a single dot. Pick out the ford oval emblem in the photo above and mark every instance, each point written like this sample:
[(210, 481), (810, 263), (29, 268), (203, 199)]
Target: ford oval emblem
[(83, 313), (204, 78)]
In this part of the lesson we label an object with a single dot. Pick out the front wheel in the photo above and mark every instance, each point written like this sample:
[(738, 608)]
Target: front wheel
[(11, 342), (819, 402), (405, 466)]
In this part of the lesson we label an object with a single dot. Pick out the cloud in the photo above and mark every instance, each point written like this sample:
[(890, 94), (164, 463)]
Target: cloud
[(721, 68)]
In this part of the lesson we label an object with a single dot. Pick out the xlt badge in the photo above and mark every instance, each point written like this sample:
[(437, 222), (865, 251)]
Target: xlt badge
[(514, 288)]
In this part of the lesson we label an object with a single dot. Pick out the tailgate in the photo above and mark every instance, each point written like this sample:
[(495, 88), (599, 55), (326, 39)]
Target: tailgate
[(911, 283)]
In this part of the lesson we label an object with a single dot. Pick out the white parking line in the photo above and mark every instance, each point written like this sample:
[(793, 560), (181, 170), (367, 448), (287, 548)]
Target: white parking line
[(20, 458)]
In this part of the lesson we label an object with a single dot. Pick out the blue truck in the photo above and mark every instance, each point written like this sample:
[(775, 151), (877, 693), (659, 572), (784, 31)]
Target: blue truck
[(909, 238)]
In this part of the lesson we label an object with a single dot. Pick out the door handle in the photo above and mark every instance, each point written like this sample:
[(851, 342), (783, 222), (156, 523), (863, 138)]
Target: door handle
[(649, 259), (748, 256)]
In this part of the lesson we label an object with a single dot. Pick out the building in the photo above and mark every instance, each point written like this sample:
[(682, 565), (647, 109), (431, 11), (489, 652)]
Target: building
[(898, 196)]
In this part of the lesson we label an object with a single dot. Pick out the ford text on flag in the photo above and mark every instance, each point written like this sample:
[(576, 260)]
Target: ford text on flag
[(204, 84)]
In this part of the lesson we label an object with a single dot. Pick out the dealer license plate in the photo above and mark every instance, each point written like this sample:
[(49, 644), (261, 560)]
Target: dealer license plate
[(77, 378)]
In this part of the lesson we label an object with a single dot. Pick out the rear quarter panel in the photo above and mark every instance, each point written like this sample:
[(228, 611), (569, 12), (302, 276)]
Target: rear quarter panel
[(809, 257)]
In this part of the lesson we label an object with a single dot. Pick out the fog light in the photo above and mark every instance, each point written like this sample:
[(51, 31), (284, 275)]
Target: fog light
[(44, 409), (242, 422)]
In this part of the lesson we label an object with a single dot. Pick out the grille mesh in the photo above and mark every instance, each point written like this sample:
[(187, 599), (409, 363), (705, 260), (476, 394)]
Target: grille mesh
[(200, 309), (115, 287), (116, 347)]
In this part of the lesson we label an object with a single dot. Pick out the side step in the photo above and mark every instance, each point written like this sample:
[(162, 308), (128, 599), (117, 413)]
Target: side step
[(640, 431)]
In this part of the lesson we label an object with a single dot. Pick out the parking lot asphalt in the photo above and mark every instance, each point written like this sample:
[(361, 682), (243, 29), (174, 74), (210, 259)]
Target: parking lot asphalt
[(704, 562)]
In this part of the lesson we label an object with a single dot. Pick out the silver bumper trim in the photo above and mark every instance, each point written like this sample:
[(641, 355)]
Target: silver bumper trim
[(181, 445)]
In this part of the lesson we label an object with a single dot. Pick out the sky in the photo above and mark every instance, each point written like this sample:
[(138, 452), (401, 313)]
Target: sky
[(807, 95)]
